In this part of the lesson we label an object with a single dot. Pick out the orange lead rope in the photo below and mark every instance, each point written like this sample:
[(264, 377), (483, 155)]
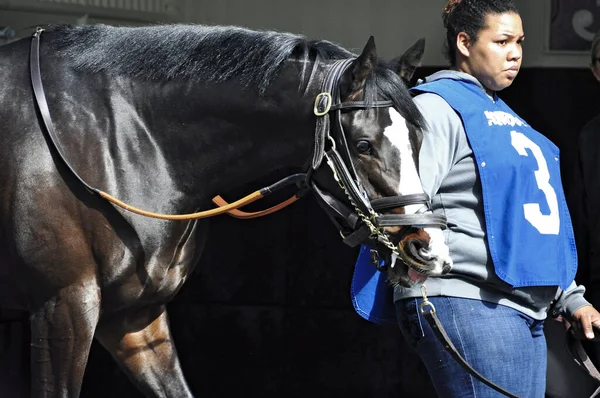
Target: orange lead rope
[(191, 216), (224, 207), (219, 201)]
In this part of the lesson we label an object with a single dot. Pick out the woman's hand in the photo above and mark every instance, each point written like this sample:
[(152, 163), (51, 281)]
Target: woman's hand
[(588, 317)]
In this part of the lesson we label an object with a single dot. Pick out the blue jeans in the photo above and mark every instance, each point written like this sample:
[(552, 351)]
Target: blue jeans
[(504, 345)]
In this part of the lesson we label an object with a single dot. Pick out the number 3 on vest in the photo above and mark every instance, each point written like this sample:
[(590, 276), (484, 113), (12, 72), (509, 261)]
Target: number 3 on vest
[(547, 224)]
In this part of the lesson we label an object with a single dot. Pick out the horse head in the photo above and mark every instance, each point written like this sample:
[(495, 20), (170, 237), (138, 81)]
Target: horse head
[(382, 132)]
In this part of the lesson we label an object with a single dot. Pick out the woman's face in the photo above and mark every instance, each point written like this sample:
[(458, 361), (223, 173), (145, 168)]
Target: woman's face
[(495, 58)]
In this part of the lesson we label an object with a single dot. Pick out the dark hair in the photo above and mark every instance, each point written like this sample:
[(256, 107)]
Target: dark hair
[(469, 16)]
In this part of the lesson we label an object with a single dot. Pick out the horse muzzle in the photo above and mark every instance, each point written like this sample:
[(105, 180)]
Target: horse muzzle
[(422, 253)]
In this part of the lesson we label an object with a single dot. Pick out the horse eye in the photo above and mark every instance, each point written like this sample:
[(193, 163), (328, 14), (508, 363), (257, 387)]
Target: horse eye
[(363, 147)]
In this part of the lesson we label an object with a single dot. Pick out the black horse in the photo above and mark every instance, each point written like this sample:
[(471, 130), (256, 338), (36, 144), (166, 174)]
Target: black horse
[(165, 118)]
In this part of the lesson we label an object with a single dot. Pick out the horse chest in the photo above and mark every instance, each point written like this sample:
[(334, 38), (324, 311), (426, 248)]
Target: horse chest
[(155, 281), (152, 272)]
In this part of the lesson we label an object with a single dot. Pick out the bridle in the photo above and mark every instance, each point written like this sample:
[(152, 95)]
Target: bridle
[(361, 224)]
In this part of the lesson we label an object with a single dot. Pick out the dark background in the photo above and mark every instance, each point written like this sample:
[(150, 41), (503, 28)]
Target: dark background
[(268, 313), (562, 35)]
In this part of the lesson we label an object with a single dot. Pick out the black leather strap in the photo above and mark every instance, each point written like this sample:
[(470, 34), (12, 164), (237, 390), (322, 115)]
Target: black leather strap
[(324, 101), (358, 237), (362, 105), (573, 345), (335, 209), (42, 103), (421, 220), (433, 320), (581, 358), (321, 134), (391, 202)]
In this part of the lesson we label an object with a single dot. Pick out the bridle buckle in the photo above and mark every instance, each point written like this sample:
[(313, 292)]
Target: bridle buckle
[(326, 106)]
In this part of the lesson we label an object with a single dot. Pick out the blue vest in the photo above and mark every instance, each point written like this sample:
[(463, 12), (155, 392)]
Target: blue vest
[(529, 231), (372, 297)]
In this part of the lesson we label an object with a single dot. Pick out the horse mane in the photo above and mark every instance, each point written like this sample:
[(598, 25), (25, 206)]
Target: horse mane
[(207, 53), (190, 52)]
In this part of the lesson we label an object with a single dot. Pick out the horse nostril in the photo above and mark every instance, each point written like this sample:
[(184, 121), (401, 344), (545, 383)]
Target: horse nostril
[(416, 247)]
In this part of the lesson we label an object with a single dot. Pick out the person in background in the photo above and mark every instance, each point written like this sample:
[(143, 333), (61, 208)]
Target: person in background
[(509, 231), (585, 198)]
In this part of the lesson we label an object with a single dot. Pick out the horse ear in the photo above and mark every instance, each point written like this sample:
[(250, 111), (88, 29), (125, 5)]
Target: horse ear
[(362, 67), (366, 61), (406, 64)]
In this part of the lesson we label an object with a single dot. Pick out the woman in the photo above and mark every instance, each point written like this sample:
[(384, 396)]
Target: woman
[(509, 232)]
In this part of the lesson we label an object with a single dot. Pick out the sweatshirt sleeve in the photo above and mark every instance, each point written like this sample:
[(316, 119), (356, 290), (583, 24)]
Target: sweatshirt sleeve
[(442, 138), (570, 300)]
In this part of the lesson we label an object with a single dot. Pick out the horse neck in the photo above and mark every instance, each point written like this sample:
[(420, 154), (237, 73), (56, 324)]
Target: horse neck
[(226, 135)]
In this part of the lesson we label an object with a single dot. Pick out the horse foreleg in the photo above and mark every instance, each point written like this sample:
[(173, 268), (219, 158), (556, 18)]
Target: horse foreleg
[(140, 341), (62, 330)]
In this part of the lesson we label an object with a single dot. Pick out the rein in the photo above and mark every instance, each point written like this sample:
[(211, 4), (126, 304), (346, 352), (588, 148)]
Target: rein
[(573, 347), (429, 313)]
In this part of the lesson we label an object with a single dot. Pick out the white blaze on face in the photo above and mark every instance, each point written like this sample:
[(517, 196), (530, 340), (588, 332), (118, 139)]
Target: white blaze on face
[(410, 183), (399, 136)]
